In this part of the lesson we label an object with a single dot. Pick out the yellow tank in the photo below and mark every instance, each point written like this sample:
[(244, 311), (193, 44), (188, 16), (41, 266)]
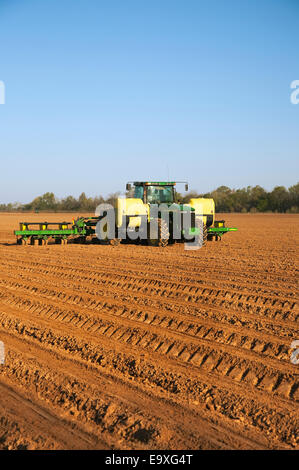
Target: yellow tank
[(131, 207), (204, 208)]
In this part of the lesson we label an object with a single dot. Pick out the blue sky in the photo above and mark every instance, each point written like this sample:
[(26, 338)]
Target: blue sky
[(102, 92)]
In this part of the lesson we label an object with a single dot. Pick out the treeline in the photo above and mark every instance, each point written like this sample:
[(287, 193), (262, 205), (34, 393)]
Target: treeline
[(250, 199), (49, 202)]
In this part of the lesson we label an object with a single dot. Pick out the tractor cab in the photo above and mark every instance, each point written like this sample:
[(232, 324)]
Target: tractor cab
[(154, 192)]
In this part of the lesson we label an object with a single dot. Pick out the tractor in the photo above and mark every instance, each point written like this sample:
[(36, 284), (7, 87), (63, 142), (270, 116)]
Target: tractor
[(155, 207)]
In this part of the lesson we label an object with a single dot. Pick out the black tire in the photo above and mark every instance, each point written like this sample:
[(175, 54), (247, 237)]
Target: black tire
[(205, 235), (204, 230), (163, 234)]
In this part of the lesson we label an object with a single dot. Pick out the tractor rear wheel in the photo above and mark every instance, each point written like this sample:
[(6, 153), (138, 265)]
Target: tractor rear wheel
[(205, 235), (163, 234), (203, 228)]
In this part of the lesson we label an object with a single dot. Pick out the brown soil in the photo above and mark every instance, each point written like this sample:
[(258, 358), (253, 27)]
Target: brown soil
[(136, 347)]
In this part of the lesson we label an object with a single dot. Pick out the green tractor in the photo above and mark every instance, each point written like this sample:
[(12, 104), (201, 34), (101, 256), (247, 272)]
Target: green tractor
[(153, 210)]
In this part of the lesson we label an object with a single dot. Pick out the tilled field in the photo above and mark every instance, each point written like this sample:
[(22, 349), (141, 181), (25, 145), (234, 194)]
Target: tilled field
[(136, 347)]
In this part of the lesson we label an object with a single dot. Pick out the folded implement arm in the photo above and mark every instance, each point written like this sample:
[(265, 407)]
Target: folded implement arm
[(219, 229)]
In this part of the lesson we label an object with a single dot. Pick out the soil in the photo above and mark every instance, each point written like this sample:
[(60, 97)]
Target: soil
[(140, 347)]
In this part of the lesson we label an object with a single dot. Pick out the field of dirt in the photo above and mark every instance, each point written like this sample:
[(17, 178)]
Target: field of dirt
[(136, 347)]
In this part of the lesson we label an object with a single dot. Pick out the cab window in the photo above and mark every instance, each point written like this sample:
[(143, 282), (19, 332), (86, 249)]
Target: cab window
[(159, 194), (138, 193)]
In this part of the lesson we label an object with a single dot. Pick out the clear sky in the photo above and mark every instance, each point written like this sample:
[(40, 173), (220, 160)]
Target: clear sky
[(100, 92)]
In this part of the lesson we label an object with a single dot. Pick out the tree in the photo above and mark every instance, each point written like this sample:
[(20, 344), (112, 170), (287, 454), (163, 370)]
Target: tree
[(258, 198), (45, 202), (279, 199), (294, 195), (69, 204)]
